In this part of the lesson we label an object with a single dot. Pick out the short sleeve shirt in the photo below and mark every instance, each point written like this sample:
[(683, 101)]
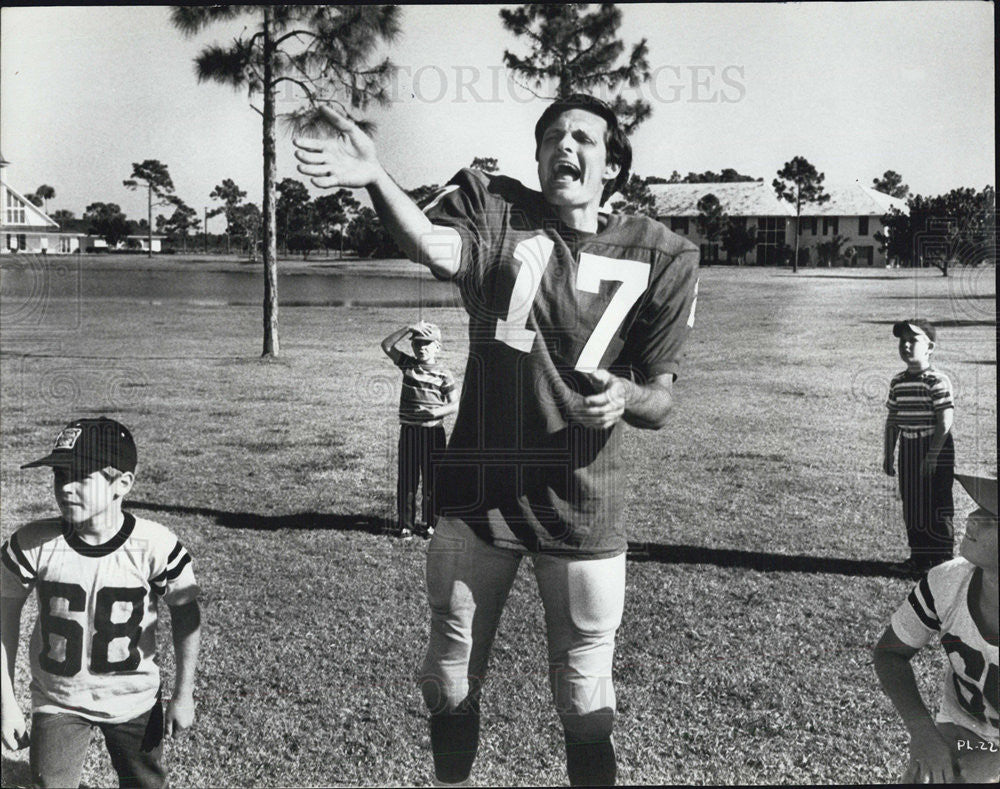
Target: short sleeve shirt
[(915, 399), (938, 608), (93, 648), (547, 304), (425, 386)]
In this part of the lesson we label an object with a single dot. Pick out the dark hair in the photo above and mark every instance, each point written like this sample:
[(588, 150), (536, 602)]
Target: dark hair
[(617, 144)]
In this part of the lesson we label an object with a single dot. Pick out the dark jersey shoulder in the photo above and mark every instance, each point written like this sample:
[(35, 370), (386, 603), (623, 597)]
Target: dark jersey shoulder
[(642, 232)]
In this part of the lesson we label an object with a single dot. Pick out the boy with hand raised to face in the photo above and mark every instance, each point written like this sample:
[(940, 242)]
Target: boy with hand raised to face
[(99, 572)]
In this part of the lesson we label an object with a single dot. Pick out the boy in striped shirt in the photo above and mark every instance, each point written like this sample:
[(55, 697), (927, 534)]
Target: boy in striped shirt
[(921, 410), (99, 573), (428, 395)]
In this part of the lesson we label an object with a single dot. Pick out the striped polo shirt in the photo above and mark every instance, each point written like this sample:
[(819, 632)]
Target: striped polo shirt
[(916, 398), (425, 386)]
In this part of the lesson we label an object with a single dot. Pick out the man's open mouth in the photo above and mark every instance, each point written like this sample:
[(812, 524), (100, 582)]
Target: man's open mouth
[(566, 170)]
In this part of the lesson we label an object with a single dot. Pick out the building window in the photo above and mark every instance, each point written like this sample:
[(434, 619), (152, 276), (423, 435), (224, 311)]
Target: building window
[(709, 253), (831, 223), (15, 211), (679, 224), (862, 226), (814, 225), (770, 240), (65, 245)]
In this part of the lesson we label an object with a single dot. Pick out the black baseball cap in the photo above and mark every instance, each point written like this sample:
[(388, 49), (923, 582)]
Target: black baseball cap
[(914, 326), (91, 444)]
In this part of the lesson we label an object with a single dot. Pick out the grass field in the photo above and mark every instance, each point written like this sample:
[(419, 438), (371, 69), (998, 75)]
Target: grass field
[(761, 522)]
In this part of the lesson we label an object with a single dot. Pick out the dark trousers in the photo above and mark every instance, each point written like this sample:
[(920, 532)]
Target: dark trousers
[(59, 747), (417, 444), (928, 506)]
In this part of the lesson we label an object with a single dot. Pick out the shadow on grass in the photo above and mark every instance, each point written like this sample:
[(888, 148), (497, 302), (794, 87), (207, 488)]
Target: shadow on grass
[(757, 560), (952, 324), (945, 297), (637, 551), (810, 275), (370, 524)]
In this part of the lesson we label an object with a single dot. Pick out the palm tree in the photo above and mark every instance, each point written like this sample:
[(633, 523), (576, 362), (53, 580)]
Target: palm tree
[(324, 51), (46, 193)]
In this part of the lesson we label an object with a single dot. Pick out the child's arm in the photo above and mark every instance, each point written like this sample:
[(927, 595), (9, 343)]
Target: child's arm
[(389, 343), (15, 730), (943, 420), (889, 453), (931, 760), (450, 405), (186, 626)]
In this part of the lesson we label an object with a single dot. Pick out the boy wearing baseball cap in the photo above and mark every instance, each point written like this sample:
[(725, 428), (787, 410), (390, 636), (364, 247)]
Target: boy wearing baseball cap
[(428, 395), (921, 410), (957, 602), (99, 573)]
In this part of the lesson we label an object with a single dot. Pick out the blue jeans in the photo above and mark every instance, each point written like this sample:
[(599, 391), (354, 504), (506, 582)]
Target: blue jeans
[(59, 747)]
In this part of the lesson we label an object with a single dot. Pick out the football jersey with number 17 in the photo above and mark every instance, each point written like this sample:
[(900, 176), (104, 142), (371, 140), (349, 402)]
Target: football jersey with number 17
[(546, 305)]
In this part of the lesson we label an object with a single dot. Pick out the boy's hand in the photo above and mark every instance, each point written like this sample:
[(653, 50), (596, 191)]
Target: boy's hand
[(347, 158), (180, 715), (931, 760), (928, 464), (14, 728)]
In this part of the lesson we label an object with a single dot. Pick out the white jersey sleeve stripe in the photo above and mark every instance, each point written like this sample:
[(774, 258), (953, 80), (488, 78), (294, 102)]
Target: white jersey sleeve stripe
[(178, 568), (922, 602), (15, 561)]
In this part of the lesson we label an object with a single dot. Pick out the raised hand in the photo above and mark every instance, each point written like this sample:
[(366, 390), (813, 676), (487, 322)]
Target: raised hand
[(345, 159)]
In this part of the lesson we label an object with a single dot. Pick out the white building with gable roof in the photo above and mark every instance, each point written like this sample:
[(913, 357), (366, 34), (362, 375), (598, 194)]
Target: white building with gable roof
[(854, 213), (25, 228)]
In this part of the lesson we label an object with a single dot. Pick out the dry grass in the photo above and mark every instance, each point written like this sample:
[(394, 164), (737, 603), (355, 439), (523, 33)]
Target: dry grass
[(761, 523)]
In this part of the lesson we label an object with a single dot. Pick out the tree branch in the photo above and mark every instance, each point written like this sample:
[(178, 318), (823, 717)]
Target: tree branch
[(294, 34)]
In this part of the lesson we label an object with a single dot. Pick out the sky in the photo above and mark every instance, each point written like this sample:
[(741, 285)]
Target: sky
[(856, 88)]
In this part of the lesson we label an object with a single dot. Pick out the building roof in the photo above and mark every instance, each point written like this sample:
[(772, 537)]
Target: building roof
[(855, 200), (42, 219), (755, 198), (740, 198)]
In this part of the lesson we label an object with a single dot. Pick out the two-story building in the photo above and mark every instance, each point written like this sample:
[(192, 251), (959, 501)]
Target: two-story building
[(26, 229), (852, 216)]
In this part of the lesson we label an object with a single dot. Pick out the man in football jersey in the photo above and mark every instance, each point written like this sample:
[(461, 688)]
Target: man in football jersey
[(99, 573), (956, 602), (576, 322)]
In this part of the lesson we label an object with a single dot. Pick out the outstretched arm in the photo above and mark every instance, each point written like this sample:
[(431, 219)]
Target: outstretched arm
[(186, 624), (931, 760), (349, 159), (15, 729)]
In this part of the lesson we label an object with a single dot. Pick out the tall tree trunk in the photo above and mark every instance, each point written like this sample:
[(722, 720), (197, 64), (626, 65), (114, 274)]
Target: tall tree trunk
[(270, 251), (795, 258), (149, 219)]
